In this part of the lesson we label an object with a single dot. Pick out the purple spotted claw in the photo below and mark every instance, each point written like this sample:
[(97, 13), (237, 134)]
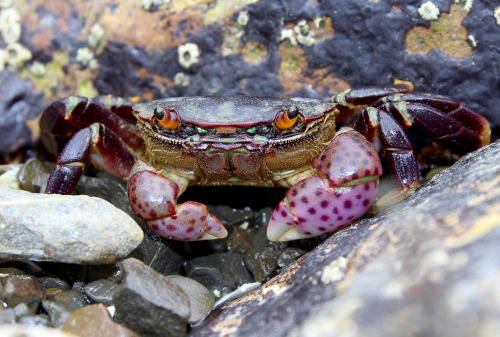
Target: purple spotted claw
[(153, 197), (344, 189)]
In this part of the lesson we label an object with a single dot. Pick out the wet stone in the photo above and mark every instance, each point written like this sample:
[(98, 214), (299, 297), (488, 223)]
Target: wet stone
[(53, 282), (101, 291), (262, 257), (33, 173), (22, 289), (61, 303), (289, 255), (149, 303), (94, 320), (219, 272), (231, 216), (72, 229)]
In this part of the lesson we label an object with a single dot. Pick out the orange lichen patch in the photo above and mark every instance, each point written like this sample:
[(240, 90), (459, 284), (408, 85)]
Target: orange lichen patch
[(293, 62), (446, 34), (128, 22), (253, 52), (326, 83)]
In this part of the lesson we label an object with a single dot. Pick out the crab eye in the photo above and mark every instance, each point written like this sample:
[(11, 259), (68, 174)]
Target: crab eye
[(286, 119), (167, 118)]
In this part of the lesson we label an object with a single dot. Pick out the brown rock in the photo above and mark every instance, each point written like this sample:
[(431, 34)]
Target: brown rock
[(94, 320), (22, 289)]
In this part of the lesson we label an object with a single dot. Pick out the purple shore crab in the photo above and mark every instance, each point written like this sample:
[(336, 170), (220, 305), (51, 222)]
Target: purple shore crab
[(332, 175)]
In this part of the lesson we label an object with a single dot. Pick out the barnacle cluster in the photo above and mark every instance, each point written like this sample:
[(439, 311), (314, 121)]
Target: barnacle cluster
[(15, 54)]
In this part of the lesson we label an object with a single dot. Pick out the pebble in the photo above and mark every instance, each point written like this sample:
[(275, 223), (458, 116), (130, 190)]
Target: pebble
[(101, 291), (219, 272), (61, 303), (201, 300), (32, 331), (149, 303), (94, 320), (71, 229), (262, 257), (22, 289)]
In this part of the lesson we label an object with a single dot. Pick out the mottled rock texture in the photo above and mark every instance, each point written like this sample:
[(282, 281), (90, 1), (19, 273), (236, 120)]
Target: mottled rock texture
[(299, 48), (428, 266)]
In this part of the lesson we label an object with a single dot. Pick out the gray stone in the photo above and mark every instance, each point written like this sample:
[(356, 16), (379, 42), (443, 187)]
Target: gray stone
[(7, 316), (101, 291), (201, 300), (41, 319), (61, 303), (71, 229), (220, 272), (149, 303), (53, 282), (428, 266)]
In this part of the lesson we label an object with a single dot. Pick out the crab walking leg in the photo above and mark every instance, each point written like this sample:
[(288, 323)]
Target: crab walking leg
[(96, 142), (153, 197), (445, 129), (468, 118), (60, 120), (350, 99), (344, 189)]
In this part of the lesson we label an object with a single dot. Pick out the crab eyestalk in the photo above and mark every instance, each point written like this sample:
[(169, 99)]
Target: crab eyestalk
[(343, 190), (153, 197)]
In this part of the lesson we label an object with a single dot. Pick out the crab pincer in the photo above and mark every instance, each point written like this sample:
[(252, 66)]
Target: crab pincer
[(153, 197), (343, 190)]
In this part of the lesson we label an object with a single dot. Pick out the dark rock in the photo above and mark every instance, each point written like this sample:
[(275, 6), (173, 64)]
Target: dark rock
[(289, 255), (53, 282), (94, 320), (262, 257), (220, 272), (101, 291), (22, 289), (238, 241), (61, 303), (105, 271), (79, 286), (426, 266), (232, 216), (157, 254), (150, 304)]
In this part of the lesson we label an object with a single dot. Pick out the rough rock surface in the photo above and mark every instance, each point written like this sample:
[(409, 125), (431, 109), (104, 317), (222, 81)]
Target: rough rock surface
[(428, 266), (66, 230)]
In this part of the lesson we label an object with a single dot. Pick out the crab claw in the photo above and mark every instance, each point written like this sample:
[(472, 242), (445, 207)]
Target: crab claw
[(153, 197), (345, 188)]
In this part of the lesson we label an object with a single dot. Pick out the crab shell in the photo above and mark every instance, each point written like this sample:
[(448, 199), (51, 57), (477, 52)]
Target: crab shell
[(230, 158)]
